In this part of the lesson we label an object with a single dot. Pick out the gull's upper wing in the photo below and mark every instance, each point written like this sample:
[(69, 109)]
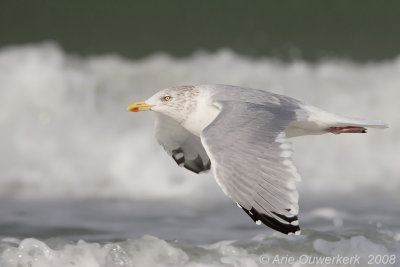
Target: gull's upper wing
[(184, 147), (251, 162)]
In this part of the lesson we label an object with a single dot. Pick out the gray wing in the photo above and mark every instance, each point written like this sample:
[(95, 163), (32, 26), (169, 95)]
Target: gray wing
[(184, 147), (251, 162)]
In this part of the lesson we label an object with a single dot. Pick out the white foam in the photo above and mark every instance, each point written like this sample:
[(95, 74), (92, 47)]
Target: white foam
[(152, 251), (64, 130)]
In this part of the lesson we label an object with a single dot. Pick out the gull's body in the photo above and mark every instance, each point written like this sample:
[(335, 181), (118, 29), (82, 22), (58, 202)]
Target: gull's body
[(241, 134)]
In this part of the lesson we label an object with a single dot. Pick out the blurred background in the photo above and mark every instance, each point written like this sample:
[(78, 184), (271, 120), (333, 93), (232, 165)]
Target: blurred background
[(135, 29), (74, 164)]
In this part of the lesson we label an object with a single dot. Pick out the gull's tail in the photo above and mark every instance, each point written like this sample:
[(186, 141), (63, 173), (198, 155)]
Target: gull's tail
[(311, 120)]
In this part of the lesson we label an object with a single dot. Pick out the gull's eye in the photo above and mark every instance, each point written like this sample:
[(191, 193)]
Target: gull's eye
[(166, 98)]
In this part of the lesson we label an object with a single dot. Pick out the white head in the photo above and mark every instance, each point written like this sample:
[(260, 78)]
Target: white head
[(175, 102)]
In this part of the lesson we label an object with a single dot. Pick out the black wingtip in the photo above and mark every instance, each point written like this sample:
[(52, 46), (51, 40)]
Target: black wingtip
[(178, 156), (196, 165), (285, 228)]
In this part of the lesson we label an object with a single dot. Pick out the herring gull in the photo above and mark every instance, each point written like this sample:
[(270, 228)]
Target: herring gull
[(241, 134)]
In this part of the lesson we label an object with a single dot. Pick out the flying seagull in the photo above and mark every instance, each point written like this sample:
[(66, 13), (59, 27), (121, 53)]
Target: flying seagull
[(241, 134)]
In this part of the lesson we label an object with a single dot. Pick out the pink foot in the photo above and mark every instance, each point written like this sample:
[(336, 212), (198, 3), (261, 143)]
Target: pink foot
[(347, 129)]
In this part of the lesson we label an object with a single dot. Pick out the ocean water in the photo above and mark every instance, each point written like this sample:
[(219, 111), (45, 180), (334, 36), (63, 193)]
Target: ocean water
[(84, 183)]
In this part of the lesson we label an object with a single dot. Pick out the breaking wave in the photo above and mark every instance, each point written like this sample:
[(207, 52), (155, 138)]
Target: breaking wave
[(64, 131)]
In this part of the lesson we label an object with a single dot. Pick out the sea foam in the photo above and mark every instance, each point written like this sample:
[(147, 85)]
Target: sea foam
[(64, 130), (148, 250)]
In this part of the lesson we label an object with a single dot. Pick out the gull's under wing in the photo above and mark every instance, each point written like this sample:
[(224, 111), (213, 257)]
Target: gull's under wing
[(184, 147), (251, 160)]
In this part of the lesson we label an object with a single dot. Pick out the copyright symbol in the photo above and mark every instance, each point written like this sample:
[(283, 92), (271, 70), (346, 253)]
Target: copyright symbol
[(264, 259)]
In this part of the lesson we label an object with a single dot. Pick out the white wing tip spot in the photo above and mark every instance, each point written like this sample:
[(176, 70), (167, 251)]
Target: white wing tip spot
[(295, 222), (258, 222), (295, 233)]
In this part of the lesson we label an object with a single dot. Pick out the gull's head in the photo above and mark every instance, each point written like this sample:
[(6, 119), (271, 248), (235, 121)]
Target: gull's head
[(175, 102)]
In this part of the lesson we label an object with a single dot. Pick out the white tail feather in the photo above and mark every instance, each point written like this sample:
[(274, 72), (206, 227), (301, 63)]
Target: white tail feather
[(312, 120)]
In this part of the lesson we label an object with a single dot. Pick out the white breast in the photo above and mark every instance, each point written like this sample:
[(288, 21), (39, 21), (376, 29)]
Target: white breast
[(204, 113)]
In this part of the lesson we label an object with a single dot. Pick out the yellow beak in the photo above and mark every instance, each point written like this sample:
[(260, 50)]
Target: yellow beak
[(139, 106)]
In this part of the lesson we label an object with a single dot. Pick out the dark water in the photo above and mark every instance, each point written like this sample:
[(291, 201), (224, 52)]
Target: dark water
[(367, 30), (203, 222)]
